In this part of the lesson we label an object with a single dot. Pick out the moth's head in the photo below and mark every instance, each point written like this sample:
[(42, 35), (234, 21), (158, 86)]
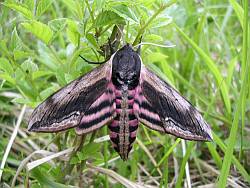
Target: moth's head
[(126, 67)]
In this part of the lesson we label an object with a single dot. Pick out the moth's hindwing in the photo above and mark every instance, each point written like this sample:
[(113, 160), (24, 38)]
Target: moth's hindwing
[(100, 112), (66, 108), (162, 108), (146, 113)]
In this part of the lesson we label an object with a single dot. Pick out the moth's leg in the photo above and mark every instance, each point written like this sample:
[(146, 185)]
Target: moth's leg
[(111, 46), (92, 62), (139, 47), (116, 36)]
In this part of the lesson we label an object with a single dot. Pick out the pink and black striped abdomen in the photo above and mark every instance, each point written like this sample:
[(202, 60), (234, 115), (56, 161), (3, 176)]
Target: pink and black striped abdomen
[(124, 126)]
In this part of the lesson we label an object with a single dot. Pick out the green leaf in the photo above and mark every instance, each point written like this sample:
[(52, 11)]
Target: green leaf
[(30, 4), (6, 66), (80, 155), (71, 5), (48, 91), (72, 32), (3, 48), (90, 37), (45, 179), (58, 24), (74, 160), (42, 6), (21, 100), (20, 8), (107, 18), (99, 4), (46, 57), (91, 150), (152, 38), (20, 54), (156, 57), (26, 89), (60, 76), (38, 74), (125, 12), (161, 22), (240, 111), (8, 78), (15, 41), (238, 10), (69, 77), (29, 67), (40, 30), (212, 67)]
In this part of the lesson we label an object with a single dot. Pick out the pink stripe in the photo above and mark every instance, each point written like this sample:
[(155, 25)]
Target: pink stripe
[(114, 123), (136, 108), (137, 97), (111, 86), (150, 114), (101, 98), (137, 90), (131, 101), (133, 134), (131, 92), (94, 127), (118, 92), (130, 111), (118, 111), (114, 145), (133, 123), (91, 117), (112, 134), (118, 101)]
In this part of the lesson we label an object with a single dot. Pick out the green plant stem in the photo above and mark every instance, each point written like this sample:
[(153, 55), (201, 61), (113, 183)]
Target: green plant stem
[(169, 152), (239, 109), (106, 185), (235, 161), (161, 8), (183, 164), (92, 17), (54, 54), (105, 29), (27, 77), (69, 167), (35, 7), (90, 12), (243, 65)]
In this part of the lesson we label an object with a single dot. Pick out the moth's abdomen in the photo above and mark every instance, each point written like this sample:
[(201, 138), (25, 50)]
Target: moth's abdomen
[(124, 126)]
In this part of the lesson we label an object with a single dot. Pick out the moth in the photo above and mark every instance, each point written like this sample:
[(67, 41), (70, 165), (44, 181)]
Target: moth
[(120, 93)]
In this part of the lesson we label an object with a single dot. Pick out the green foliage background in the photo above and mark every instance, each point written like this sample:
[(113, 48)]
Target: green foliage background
[(40, 44)]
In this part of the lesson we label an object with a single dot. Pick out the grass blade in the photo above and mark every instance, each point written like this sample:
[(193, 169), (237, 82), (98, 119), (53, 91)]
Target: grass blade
[(212, 67)]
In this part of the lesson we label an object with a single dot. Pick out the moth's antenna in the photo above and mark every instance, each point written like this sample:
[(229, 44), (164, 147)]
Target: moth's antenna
[(153, 44), (121, 34), (138, 50), (139, 47), (92, 62), (111, 46)]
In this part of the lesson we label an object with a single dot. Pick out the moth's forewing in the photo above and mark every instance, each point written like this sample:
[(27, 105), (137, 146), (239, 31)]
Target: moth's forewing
[(65, 108), (164, 109)]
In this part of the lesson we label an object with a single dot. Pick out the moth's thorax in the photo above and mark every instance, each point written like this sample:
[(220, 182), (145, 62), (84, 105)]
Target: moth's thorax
[(126, 67), (123, 127)]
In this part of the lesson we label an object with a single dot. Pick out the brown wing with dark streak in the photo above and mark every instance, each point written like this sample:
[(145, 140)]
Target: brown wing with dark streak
[(165, 110), (66, 107)]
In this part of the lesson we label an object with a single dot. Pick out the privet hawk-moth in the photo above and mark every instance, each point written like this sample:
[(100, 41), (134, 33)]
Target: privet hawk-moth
[(120, 93)]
